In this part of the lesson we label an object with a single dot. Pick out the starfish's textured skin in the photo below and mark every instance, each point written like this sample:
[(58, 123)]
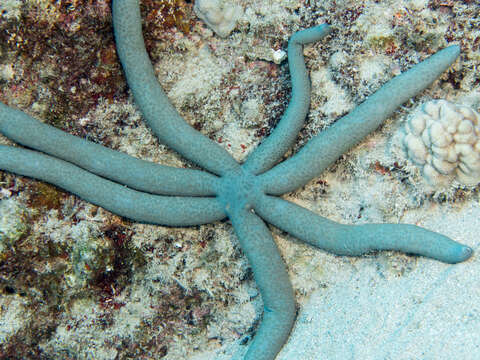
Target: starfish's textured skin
[(245, 193)]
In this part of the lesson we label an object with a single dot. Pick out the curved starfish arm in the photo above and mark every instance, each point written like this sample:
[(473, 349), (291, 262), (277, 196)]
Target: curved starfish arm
[(356, 240), (329, 145), (132, 204), (119, 167), (272, 280), (282, 138), (160, 115)]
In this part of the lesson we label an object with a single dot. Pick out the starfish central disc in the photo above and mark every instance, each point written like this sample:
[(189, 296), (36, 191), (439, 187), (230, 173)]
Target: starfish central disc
[(239, 190)]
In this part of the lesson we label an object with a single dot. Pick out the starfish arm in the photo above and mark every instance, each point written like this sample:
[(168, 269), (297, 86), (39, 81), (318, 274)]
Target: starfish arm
[(122, 168), (282, 138), (356, 240), (132, 204), (160, 115), (329, 145), (272, 280)]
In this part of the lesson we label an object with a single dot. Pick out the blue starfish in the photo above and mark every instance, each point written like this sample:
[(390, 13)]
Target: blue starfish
[(245, 193)]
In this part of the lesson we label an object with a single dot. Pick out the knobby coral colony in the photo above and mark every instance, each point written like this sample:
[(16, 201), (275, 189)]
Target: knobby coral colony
[(245, 193)]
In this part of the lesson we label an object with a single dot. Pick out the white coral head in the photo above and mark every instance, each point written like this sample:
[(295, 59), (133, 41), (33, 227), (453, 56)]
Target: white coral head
[(443, 139), (220, 15)]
